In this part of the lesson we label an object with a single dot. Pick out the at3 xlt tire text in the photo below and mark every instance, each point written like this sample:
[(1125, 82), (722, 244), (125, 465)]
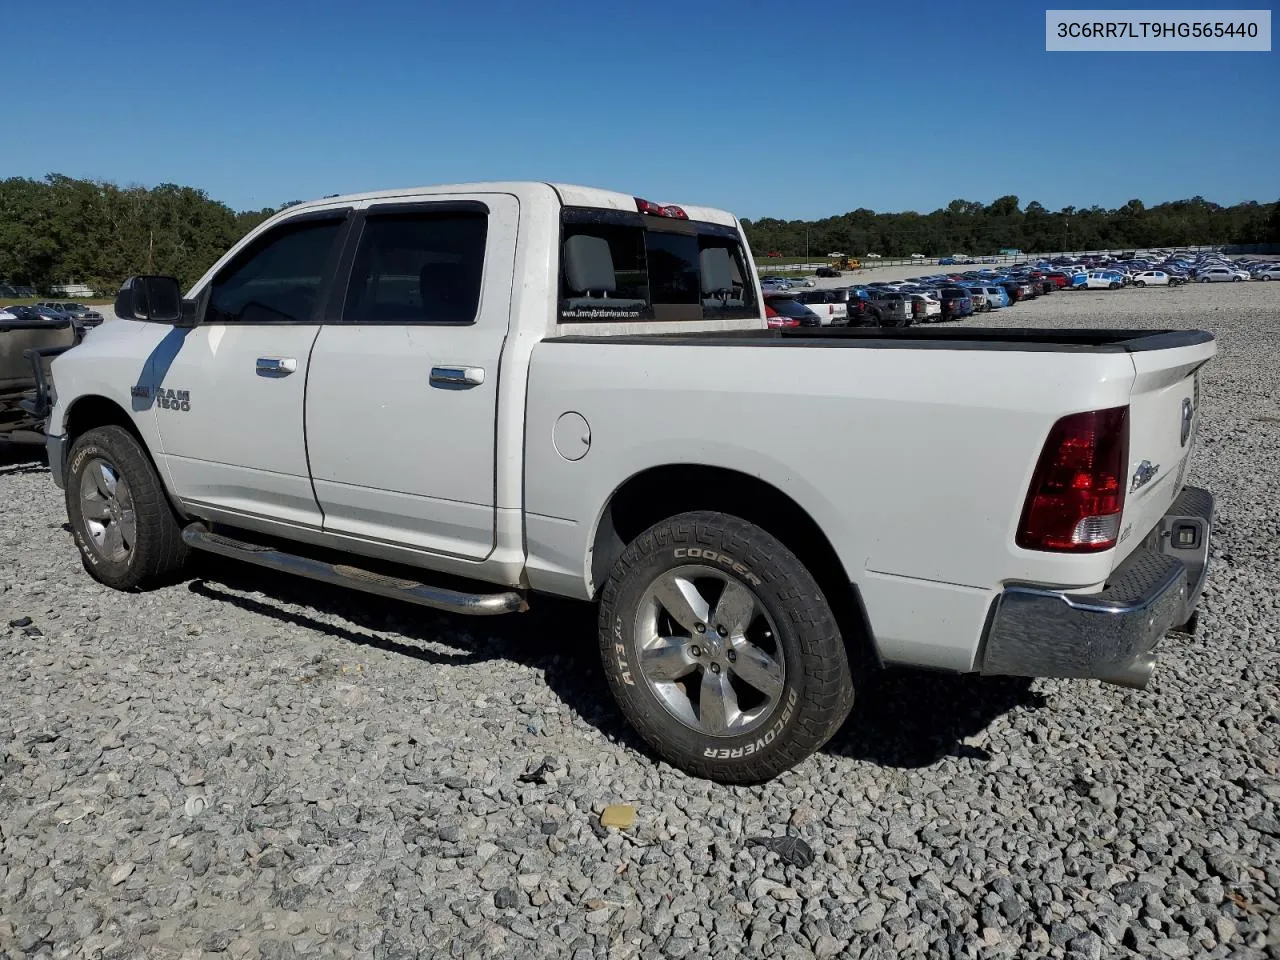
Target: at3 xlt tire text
[(816, 690)]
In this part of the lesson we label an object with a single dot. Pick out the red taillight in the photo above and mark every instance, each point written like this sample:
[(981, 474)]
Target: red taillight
[(774, 319), (660, 210), (1077, 492)]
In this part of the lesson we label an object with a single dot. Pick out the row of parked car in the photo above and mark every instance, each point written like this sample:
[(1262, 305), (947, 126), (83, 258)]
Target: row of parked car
[(904, 302), (1161, 269), (953, 296), (80, 316)]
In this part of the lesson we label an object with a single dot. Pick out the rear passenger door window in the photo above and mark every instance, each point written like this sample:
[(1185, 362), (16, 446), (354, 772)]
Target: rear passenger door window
[(422, 264)]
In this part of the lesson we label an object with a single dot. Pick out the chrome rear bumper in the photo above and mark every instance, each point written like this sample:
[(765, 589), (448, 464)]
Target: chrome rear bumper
[(1112, 635)]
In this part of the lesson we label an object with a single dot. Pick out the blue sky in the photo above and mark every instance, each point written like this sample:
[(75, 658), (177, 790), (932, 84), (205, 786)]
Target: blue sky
[(761, 108)]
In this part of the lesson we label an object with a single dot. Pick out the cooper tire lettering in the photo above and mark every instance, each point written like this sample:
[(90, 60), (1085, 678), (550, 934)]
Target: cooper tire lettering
[(722, 559)]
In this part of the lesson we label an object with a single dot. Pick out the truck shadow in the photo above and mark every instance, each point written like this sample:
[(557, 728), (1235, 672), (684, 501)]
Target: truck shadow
[(905, 719), (21, 458), (914, 718), (556, 637)]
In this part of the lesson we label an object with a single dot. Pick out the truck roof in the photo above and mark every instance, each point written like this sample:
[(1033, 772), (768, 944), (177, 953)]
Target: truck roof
[(573, 195)]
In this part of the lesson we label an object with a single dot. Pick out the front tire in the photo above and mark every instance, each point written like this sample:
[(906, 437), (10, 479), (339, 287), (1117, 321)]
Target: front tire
[(124, 527), (1140, 283), (721, 649)]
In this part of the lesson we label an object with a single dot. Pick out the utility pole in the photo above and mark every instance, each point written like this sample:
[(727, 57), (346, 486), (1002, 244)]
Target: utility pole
[(806, 241)]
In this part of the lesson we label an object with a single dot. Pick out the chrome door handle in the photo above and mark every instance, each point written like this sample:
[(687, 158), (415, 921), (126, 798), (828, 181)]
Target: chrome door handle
[(276, 366), (457, 376)]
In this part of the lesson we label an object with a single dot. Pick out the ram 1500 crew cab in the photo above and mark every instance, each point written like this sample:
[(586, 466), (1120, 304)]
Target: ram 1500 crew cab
[(467, 396)]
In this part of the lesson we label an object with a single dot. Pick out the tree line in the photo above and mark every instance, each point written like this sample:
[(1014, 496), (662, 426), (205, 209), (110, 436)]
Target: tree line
[(965, 226), (63, 230)]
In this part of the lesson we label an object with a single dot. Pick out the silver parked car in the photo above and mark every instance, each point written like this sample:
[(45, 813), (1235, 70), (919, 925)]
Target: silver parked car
[(1220, 275)]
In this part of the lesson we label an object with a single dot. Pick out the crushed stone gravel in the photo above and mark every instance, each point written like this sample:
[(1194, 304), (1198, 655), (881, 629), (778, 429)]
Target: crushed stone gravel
[(244, 765)]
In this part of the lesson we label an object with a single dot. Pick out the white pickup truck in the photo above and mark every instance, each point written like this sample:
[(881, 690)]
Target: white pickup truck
[(466, 396)]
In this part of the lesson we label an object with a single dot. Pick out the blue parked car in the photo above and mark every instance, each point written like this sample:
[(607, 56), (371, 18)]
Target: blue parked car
[(996, 297)]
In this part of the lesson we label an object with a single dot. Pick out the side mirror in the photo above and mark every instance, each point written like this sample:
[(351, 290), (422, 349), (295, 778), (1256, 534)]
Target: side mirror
[(154, 299)]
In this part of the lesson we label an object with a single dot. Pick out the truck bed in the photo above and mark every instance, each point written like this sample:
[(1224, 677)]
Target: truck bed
[(914, 457), (1022, 339)]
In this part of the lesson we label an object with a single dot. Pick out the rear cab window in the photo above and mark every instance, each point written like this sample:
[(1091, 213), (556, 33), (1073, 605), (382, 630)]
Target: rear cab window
[(621, 266)]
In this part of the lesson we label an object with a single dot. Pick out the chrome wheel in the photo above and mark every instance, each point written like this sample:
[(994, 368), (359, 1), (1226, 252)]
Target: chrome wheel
[(106, 505), (709, 651)]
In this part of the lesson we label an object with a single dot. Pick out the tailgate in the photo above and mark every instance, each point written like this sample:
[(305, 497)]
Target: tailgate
[(1164, 417)]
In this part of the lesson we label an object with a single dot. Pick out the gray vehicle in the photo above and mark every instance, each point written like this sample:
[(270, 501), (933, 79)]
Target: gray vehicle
[(21, 331), (894, 308), (84, 317)]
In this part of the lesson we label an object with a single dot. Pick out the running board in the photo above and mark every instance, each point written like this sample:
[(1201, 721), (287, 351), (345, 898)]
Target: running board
[(198, 537)]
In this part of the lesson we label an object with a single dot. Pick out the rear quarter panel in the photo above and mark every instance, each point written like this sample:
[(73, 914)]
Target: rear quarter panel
[(914, 462)]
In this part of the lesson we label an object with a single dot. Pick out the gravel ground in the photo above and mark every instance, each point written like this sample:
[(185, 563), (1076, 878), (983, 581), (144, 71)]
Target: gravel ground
[(246, 765)]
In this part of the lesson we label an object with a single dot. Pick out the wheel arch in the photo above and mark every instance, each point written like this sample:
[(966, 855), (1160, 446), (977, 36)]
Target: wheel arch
[(659, 492), (93, 410)]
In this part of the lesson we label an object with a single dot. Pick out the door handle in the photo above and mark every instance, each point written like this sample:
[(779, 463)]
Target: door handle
[(457, 376), (276, 366)]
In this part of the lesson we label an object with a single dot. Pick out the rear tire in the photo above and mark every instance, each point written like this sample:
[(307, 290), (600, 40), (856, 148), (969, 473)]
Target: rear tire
[(120, 517), (735, 705)]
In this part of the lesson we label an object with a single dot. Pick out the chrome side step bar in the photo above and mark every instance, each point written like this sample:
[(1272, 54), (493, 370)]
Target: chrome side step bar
[(199, 537)]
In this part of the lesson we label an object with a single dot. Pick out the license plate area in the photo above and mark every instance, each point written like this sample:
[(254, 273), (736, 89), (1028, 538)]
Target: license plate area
[(1186, 539)]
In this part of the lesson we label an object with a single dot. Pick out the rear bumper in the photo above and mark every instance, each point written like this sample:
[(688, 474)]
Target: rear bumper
[(1112, 635)]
